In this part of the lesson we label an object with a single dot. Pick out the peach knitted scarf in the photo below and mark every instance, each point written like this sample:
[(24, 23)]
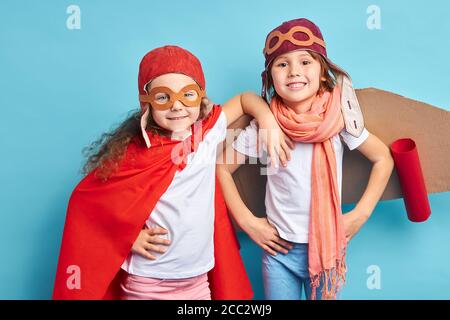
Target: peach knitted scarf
[(327, 240)]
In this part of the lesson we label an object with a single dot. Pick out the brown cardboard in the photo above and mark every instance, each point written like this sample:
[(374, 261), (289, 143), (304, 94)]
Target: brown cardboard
[(390, 117)]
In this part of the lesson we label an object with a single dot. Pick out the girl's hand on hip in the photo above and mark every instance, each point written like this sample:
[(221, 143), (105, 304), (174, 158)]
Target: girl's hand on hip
[(353, 221), (148, 240), (266, 236)]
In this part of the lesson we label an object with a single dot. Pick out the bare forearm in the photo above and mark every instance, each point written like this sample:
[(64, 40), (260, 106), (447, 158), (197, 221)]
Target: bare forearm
[(255, 106), (234, 202), (246, 103), (379, 177)]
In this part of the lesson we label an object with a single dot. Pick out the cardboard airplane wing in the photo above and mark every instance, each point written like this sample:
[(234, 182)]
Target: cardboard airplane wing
[(390, 117)]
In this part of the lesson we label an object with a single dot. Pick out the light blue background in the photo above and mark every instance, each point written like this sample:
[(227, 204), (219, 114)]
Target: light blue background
[(61, 88)]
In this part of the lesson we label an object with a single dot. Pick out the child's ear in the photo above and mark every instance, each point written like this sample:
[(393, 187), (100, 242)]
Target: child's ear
[(209, 105), (144, 106)]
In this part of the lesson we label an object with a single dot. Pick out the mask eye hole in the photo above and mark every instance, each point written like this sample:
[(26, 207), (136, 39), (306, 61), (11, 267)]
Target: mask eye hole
[(191, 95), (161, 98)]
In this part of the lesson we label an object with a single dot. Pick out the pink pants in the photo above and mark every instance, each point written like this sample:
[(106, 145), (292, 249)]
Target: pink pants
[(142, 288)]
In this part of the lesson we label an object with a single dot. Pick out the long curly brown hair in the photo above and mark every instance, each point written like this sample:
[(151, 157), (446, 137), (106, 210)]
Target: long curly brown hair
[(106, 153)]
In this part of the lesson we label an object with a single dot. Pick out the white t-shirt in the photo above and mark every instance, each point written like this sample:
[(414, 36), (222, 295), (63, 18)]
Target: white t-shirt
[(288, 189), (186, 210)]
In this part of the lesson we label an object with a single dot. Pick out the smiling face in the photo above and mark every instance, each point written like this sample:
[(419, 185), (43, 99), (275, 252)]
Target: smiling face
[(296, 79), (178, 118)]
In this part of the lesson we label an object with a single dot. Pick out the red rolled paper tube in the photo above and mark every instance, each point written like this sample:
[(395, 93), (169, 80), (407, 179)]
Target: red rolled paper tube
[(415, 196)]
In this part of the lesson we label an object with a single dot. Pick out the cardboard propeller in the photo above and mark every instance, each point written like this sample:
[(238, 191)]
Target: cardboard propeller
[(390, 117)]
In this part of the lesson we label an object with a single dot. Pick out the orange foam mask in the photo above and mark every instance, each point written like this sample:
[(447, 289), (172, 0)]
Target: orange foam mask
[(163, 98)]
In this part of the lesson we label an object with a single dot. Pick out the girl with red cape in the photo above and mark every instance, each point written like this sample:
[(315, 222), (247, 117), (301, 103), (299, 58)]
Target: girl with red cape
[(157, 170)]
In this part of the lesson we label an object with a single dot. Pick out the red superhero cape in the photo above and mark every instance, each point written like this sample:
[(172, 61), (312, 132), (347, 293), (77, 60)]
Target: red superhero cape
[(104, 219)]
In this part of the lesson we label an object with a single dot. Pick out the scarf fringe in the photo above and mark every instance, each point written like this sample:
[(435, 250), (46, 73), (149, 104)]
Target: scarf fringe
[(332, 279)]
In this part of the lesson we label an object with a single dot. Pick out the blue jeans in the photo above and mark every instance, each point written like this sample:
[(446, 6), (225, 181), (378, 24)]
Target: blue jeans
[(285, 275)]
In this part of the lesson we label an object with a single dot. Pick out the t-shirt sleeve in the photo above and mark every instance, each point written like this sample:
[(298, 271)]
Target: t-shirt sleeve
[(215, 125), (247, 141), (353, 142), (221, 127)]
